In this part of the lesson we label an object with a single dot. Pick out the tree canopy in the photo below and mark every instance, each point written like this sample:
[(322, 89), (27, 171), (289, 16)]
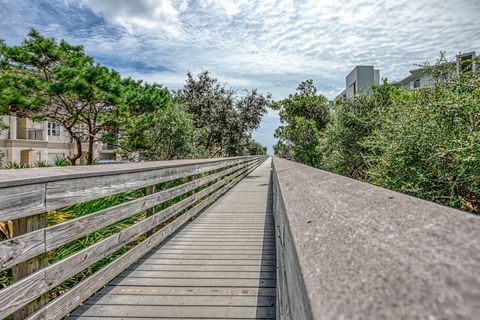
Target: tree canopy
[(45, 79)]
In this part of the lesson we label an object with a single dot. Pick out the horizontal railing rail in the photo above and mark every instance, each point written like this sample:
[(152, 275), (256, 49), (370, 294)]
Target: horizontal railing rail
[(350, 250), (27, 194)]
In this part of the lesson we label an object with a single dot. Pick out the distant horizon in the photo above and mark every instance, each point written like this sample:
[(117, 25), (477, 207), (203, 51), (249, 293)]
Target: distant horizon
[(268, 45)]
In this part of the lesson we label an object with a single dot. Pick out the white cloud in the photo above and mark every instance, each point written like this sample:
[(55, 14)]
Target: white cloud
[(140, 15), (271, 45)]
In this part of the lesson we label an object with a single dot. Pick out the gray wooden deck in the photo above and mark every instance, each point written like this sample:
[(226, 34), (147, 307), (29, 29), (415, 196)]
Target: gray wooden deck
[(220, 266)]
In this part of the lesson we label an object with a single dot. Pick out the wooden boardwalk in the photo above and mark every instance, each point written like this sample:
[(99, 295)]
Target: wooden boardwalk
[(222, 265)]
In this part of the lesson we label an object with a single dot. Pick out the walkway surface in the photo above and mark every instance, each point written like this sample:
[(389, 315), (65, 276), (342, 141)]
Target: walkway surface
[(219, 266)]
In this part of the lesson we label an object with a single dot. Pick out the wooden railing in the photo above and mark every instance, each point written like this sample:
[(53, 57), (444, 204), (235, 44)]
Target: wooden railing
[(350, 250), (27, 195)]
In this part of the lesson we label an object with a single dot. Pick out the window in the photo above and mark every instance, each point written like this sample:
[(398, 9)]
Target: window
[(416, 84), (53, 129)]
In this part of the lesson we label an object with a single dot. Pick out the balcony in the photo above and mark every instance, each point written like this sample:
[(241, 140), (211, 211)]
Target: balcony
[(29, 133)]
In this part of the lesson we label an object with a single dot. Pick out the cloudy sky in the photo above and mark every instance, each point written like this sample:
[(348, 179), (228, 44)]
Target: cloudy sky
[(267, 44)]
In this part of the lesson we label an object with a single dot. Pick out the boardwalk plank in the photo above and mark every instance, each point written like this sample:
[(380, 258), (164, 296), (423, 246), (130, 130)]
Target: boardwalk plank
[(222, 265)]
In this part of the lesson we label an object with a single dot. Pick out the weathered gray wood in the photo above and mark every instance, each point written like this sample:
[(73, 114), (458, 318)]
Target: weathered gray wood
[(186, 300), (64, 192), (216, 250), (22, 201), (62, 270), (9, 178), (152, 274), (364, 252), (62, 305), (31, 191), (230, 262), (23, 270), (20, 249), (15, 296), (150, 211), (190, 291), (161, 282), (170, 267), (171, 311), (229, 271)]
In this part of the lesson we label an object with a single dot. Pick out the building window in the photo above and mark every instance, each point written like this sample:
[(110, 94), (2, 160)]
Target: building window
[(53, 129), (416, 84)]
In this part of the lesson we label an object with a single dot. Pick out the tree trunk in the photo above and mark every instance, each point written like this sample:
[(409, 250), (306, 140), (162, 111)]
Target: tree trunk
[(91, 141), (78, 155)]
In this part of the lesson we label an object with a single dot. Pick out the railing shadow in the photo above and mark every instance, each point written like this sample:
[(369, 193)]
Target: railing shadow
[(267, 279)]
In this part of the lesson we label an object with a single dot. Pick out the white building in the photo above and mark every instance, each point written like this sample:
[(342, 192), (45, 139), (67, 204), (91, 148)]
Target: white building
[(26, 141), (421, 77), (360, 79)]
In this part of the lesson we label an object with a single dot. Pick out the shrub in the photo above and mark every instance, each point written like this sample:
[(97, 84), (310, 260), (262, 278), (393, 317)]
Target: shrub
[(429, 145), (16, 165), (59, 161), (40, 164), (341, 148)]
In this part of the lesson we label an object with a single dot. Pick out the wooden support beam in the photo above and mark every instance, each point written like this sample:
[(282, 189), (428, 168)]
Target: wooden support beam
[(24, 269)]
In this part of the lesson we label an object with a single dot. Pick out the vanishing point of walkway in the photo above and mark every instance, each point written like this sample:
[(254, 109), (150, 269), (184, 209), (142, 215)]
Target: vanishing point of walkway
[(222, 265)]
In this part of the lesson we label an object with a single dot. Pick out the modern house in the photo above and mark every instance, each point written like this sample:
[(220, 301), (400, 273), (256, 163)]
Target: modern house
[(360, 79), (421, 77), (26, 141)]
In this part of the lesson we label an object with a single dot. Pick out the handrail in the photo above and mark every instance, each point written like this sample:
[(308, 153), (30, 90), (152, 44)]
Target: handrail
[(29, 193), (350, 250)]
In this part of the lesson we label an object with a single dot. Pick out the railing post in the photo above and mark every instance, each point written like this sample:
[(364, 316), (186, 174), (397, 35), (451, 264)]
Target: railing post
[(150, 212), (21, 270)]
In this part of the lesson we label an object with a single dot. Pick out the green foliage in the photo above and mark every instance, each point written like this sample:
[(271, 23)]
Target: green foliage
[(172, 135), (40, 164), (59, 161), (222, 120), (141, 105), (303, 115), (429, 145), (45, 79), (16, 165), (341, 144), (425, 143)]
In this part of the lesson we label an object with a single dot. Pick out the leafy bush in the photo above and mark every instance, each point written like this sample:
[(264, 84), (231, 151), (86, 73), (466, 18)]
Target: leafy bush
[(303, 115), (59, 161), (40, 164), (16, 165), (341, 147), (425, 143), (2, 156), (429, 146)]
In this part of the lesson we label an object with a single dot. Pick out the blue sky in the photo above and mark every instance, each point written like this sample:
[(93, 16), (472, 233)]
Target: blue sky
[(271, 45)]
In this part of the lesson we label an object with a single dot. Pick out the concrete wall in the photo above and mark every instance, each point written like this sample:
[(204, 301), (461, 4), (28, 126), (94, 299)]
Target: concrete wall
[(361, 78), (350, 250), (292, 301)]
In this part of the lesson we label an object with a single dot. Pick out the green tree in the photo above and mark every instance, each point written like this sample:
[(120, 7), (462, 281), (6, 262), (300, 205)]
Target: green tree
[(211, 104), (224, 122), (303, 115), (141, 104), (171, 135), (45, 79)]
